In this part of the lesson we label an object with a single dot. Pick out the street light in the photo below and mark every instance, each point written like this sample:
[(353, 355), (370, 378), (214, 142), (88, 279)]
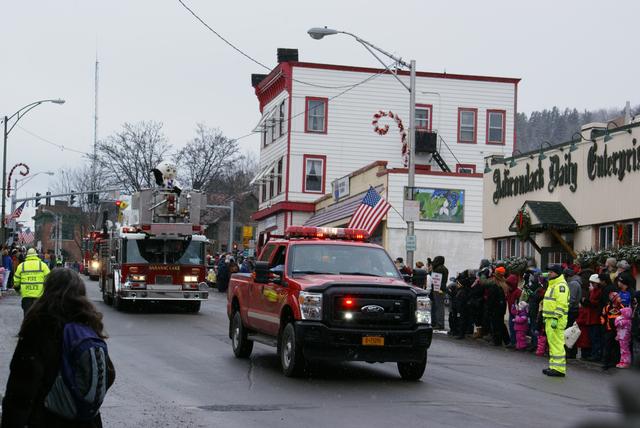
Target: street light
[(318, 33), (7, 129)]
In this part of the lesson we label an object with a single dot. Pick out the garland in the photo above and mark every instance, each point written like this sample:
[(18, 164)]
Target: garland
[(523, 225), (22, 173), (383, 131)]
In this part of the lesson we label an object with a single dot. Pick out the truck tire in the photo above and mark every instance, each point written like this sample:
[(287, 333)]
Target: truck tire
[(291, 358), (120, 304), (106, 298), (241, 346), (412, 370)]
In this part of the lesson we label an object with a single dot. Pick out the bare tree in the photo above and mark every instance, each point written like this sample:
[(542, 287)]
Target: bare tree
[(207, 157), (128, 156), (235, 179)]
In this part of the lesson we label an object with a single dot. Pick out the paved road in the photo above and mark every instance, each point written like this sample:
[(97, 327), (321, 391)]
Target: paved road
[(176, 369)]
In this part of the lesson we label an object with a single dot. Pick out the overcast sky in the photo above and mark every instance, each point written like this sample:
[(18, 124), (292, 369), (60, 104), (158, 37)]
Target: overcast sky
[(158, 63)]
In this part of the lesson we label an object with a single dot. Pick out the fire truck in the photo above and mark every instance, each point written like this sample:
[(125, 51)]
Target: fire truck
[(91, 255), (155, 251), (328, 294)]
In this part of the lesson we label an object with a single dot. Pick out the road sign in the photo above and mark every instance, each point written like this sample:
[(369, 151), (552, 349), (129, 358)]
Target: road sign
[(411, 211), (411, 242)]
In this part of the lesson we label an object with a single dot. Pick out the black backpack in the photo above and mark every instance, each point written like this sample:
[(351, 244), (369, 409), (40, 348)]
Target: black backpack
[(81, 384)]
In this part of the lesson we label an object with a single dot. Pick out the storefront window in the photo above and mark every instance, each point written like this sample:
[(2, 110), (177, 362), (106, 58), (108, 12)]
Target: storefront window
[(501, 249), (528, 249), (606, 237), (514, 245)]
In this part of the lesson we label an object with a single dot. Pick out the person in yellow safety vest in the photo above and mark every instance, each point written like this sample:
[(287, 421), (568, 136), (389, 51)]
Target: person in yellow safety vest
[(555, 311), (29, 279)]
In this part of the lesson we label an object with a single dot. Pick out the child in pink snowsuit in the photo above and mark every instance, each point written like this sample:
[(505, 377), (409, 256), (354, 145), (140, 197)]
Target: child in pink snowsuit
[(623, 336), (521, 325)]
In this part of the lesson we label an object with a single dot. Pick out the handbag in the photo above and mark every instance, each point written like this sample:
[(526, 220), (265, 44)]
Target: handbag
[(571, 335)]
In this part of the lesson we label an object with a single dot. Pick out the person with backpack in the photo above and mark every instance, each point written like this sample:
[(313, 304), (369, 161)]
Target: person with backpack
[(60, 370)]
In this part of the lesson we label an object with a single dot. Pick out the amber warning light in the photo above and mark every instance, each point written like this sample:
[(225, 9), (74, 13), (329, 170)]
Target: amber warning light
[(326, 233)]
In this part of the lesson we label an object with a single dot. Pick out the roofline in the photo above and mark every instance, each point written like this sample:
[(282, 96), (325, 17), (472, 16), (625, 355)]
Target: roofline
[(374, 164), (371, 70)]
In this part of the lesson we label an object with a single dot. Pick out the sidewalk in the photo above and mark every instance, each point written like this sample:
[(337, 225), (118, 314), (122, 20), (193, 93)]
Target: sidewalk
[(10, 319)]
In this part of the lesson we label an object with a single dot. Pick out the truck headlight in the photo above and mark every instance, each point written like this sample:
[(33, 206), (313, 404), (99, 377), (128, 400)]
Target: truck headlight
[(190, 278), (95, 264), (138, 278), (423, 310), (310, 305)]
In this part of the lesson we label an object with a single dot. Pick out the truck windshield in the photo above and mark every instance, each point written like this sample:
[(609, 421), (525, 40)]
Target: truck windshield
[(164, 251), (336, 259)]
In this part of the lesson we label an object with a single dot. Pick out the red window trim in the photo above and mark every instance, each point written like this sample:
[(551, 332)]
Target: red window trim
[(465, 165), (475, 125), (430, 108), (504, 127), (304, 172), (306, 114)]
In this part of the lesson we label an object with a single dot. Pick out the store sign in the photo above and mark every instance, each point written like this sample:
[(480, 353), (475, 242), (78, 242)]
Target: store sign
[(562, 172), (340, 188), (618, 163)]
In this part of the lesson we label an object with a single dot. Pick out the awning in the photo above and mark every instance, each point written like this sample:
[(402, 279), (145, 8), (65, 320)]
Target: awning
[(341, 210), (547, 215), (264, 175), (266, 116)]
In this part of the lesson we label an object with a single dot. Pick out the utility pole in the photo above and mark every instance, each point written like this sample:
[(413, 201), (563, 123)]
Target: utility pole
[(412, 150)]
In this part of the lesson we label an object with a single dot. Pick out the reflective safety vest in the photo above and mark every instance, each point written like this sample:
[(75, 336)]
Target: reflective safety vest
[(30, 276), (556, 299)]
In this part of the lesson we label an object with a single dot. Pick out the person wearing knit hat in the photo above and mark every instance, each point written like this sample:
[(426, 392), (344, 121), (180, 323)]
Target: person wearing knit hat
[(555, 309), (611, 348)]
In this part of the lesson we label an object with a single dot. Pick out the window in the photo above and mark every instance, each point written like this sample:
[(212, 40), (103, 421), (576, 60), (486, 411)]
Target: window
[(314, 169), (279, 176), (514, 250), (423, 116), (281, 120), (528, 250), (501, 249), (626, 237), (316, 117), (606, 237), (496, 126), (264, 136), (467, 125), (263, 193), (465, 168), (271, 182), (559, 257), (272, 127)]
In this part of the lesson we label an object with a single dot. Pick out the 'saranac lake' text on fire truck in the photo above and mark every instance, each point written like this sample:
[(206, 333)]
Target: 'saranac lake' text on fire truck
[(156, 252), (327, 294)]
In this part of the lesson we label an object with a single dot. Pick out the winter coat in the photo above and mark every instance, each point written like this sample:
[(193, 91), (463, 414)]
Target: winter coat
[(514, 292), (439, 267), (593, 306), (583, 341), (34, 368), (575, 290), (7, 263), (521, 321), (623, 325)]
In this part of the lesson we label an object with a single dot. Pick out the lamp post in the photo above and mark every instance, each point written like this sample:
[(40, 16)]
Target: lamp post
[(318, 33), (7, 129)]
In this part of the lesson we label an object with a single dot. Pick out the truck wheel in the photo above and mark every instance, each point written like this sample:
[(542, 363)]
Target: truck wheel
[(119, 304), (291, 358), (106, 298), (242, 347), (412, 370)]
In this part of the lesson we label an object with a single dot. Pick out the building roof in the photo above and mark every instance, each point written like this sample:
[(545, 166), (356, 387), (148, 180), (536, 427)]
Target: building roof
[(341, 210), (548, 214)]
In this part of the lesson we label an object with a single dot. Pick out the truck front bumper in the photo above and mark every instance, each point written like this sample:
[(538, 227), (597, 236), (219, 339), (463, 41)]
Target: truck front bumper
[(320, 342)]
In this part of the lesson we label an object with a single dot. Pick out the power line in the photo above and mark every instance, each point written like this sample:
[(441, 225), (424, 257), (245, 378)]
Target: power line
[(252, 59), (60, 146)]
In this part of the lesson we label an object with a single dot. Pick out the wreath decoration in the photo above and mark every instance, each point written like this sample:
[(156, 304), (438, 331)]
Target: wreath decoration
[(385, 129), (523, 225), (24, 172)]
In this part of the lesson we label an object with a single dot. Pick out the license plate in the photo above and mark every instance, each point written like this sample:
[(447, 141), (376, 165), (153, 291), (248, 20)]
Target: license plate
[(373, 341)]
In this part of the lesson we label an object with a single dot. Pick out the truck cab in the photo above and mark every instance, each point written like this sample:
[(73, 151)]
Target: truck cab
[(327, 294)]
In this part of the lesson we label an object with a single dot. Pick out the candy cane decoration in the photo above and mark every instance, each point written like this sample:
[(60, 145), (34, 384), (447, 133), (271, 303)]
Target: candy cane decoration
[(383, 131), (22, 173)]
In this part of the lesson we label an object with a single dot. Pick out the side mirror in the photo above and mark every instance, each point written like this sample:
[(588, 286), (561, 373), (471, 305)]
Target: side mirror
[(262, 272), (277, 272)]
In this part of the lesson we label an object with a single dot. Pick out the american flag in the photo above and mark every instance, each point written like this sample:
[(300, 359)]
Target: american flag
[(26, 237), (371, 210), (16, 214)]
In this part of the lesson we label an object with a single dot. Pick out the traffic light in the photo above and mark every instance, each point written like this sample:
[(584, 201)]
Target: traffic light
[(93, 198), (37, 200), (72, 198)]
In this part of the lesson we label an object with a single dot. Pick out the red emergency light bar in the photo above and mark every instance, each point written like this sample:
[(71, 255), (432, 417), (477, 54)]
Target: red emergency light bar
[(326, 233)]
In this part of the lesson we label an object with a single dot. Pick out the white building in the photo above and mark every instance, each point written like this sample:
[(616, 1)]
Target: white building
[(318, 125)]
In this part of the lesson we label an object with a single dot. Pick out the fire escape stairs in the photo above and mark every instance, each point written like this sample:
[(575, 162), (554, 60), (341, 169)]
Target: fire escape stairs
[(440, 161)]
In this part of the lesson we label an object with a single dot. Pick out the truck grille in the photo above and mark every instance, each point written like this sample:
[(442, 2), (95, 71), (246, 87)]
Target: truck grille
[(386, 309), (164, 279)]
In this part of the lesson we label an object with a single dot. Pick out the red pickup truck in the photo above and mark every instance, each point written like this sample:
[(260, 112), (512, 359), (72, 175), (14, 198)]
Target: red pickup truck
[(327, 294)]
